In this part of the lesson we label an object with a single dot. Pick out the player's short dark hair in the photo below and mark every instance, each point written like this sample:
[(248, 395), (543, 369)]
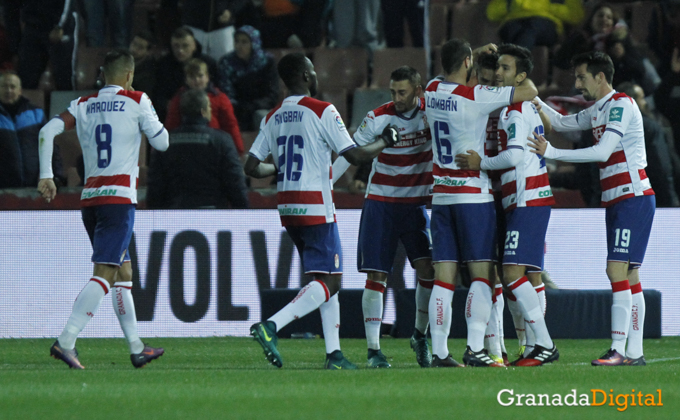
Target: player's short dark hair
[(290, 68), (192, 102), (407, 73), (596, 62), (454, 53), (182, 32), (147, 36), (488, 61), (117, 61), (524, 63)]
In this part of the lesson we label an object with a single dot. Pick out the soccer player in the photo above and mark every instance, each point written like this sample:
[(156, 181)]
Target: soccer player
[(463, 214), (109, 124), (526, 198), (301, 133), (627, 194), (398, 189)]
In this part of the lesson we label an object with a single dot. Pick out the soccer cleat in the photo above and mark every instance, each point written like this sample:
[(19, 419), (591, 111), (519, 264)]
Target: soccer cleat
[(422, 350), (446, 362), (479, 359), (514, 363), (520, 352), (640, 361), (336, 361), (497, 359), (376, 359), (506, 361), (610, 358), (70, 357), (265, 334), (140, 360), (539, 356)]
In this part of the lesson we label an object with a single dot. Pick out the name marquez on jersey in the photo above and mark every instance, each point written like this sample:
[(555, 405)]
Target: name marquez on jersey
[(105, 106), (292, 212), (97, 193), (443, 104), (288, 117)]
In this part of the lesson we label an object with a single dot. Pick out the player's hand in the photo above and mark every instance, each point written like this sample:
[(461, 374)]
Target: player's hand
[(47, 188), (485, 49), (391, 135), (537, 104), (538, 144), (470, 161)]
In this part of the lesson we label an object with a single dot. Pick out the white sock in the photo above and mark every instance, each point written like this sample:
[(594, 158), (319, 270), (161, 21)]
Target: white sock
[(621, 305), (84, 308), (477, 312), (532, 311), (330, 321), (124, 307), (309, 298), (491, 335), (499, 306), (372, 305), (440, 317), (517, 319), (423, 293), (637, 322), (540, 291)]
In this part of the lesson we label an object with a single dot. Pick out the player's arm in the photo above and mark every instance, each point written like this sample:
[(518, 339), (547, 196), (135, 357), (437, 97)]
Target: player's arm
[(158, 136), (56, 126), (597, 153), (545, 119), (366, 134), (366, 153), (526, 91), (559, 122), (508, 158), (259, 151)]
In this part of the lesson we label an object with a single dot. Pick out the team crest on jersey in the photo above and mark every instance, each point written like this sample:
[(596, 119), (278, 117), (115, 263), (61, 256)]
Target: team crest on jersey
[(616, 114), (491, 88), (337, 261), (340, 123)]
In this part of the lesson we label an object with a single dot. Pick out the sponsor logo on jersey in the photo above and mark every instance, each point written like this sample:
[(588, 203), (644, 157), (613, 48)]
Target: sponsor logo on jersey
[(295, 211), (450, 182), (615, 114), (97, 193)]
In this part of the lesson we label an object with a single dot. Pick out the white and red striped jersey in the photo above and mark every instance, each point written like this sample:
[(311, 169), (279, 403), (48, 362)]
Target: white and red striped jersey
[(491, 147), (525, 185), (301, 134), (458, 117), (109, 124), (403, 173), (618, 133)]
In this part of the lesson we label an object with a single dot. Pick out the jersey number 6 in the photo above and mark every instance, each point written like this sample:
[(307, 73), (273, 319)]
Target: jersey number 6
[(444, 149)]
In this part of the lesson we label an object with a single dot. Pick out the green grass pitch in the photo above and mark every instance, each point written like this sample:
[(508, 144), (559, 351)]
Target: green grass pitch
[(228, 378)]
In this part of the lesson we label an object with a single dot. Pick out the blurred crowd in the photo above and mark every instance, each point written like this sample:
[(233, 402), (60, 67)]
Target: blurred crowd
[(229, 49)]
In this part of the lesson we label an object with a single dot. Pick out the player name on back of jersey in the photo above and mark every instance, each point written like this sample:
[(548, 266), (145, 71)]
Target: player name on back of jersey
[(288, 117), (105, 106), (447, 104)]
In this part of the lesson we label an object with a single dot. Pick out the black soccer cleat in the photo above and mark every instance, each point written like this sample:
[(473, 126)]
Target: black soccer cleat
[(70, 357), (140, 360), (479, 359), (447, 362)]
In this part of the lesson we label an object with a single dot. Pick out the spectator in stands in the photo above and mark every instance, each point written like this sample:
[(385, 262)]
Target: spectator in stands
[(48, 34), (664, 32), (659, 165), (394, 14), (145, 63), (116, 14), (20, 123), (667, 102), (170, 68), (293, 23), (201, 168), (532, 23), (355, 23), (222, 115), (248, 77)]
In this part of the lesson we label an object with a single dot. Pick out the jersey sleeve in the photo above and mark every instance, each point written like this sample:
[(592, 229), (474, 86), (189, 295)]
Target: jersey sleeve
[(490, 98), (573, 122), (620, 114), (334, 131), (148, 119), (260, 148), (515, 128), (367, 130)]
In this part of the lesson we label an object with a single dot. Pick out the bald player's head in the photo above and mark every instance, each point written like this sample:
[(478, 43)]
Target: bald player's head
[(119, 66)]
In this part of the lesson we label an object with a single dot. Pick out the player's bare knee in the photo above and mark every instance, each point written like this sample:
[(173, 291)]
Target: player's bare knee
[(617, 271), (512, 273), (124, 273), (535, 278), (424, 269), (105, 271), (377, 276), (332, 282)]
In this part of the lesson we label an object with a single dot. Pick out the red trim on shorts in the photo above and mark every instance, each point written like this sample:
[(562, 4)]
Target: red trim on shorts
[(480, 279), (451, 287), (374, 285), (514, 285), (106, 290), (636, 288), (620, 286), (427, 284), (325, 289)]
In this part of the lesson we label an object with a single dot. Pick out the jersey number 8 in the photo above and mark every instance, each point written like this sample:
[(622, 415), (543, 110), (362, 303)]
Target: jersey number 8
[(103, 136)]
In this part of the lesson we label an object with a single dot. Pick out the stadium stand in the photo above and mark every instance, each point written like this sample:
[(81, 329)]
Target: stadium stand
[(387, 60)]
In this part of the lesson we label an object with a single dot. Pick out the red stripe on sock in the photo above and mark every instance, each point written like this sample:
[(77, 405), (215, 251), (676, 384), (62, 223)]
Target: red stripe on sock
[(451, 287), (514, 285), (540, 289), (636, 288), (620, 286), (123, 287), (427, 284), (482, 280), (374, 285), (325, 289), (106, 290), (499, 289), (493, 298)]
